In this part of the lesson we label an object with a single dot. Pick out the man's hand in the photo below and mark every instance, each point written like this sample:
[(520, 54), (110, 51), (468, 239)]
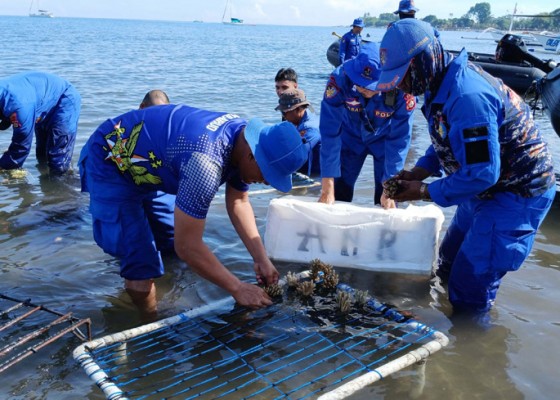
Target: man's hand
[(265, 272), (251, 296), (386, 202), (408, 190)]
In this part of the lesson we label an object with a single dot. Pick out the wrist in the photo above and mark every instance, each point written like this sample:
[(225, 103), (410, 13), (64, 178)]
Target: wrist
[(424, 193)]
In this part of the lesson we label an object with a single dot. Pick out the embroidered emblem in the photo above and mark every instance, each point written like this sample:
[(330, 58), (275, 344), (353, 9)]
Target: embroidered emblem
[(14, 120)]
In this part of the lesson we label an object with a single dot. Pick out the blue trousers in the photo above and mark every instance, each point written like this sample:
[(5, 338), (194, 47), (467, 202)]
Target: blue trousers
[(56, 136), (352, 158), (129, 224), (487, 239)]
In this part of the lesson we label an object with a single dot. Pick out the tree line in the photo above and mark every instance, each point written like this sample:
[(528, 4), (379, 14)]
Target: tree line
[(479, 16)]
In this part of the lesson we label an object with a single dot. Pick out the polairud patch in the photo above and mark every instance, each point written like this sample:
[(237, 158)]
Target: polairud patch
[(332, 89), (410, 102)]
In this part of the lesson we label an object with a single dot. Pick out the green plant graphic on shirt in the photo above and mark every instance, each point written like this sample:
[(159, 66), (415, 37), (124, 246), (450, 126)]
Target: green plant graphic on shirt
[(122, 154)]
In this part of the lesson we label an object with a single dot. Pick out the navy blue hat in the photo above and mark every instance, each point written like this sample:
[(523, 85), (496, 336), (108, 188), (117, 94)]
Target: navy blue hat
[(358, 22), (406, 6), (365, 68), (278, 150), (402, 41)]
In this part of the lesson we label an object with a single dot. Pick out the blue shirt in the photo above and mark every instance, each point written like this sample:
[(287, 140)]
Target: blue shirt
[(350, 120), (174, 148), (26, 99), (483, 137), (349, 46)]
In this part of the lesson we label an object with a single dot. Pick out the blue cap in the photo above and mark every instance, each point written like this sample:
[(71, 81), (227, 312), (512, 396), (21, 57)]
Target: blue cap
[(358, 22), (364, 69), (278, 149), (406, 6), (402, 41)]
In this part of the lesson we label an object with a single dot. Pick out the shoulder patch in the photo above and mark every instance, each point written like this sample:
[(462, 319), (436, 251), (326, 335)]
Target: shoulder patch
[(14, 120), (331, 89), (410, 102)]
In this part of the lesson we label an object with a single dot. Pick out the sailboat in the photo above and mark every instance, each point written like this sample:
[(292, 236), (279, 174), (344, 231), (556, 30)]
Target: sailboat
[(40, 13), (528, 37), (231, 20)]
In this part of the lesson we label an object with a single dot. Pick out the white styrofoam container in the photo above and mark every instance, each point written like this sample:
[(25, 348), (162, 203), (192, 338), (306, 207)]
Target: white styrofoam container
[(300, 229)]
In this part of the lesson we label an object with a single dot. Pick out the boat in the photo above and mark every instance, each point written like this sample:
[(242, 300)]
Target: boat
[(517, 67), (549, 89), (231, 20), (550, 41), (528, 37), (40, 13)]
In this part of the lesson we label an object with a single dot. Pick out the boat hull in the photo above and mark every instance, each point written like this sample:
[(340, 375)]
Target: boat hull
[(518, 76), (550, 96)]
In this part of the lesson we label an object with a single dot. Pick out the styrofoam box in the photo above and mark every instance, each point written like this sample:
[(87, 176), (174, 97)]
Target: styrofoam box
[(300, 229)]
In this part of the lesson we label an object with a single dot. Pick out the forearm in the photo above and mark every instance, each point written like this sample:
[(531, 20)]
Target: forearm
[(243, 220)]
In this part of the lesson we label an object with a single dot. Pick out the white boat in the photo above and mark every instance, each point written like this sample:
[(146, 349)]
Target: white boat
[(528, 37), (40, 13), (230, 20), (550, 41)]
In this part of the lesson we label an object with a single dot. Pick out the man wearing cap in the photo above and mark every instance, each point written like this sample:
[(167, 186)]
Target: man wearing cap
[(498, 168), (350, 42), (294, 107), (406, 9), (188, 152), (357, 121), (41, 105)]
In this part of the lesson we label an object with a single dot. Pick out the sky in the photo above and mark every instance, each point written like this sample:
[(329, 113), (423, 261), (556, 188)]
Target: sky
[(275, 12)]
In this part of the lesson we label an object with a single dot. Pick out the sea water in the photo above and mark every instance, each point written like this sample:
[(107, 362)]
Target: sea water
[(47, 252)]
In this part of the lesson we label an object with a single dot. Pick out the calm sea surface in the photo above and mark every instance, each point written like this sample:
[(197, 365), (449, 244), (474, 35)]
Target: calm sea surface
[(47, 252)]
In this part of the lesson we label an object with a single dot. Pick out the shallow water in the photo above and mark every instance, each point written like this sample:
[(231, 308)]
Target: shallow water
[(48, 254)]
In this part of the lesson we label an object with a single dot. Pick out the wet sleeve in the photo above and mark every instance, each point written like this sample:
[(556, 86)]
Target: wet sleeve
[(23, 123)]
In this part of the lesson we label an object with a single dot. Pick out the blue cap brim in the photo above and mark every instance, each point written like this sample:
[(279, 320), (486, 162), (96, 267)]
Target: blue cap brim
[(390, 79), (357, 78), (253, 132)]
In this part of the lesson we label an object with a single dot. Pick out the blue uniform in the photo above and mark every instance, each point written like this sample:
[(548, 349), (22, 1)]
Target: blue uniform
[(499, 173), (349, 46), (133, 158), (353, 127), (47, 106), (309, 130)]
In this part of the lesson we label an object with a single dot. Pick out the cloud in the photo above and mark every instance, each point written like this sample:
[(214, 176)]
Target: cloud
[(296, 11)]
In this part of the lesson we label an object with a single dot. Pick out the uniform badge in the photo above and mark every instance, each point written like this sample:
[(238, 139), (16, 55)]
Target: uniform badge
[(410, 102), (366, 73), (14, 120), (440, 125), (382, 56)]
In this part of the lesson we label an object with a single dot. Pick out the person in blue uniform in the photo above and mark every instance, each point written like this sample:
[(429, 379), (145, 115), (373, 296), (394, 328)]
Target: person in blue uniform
[(41, 105), (498, 168), (294, 107), (188, 152), (351, 41), (406, 9), (357, 121)]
